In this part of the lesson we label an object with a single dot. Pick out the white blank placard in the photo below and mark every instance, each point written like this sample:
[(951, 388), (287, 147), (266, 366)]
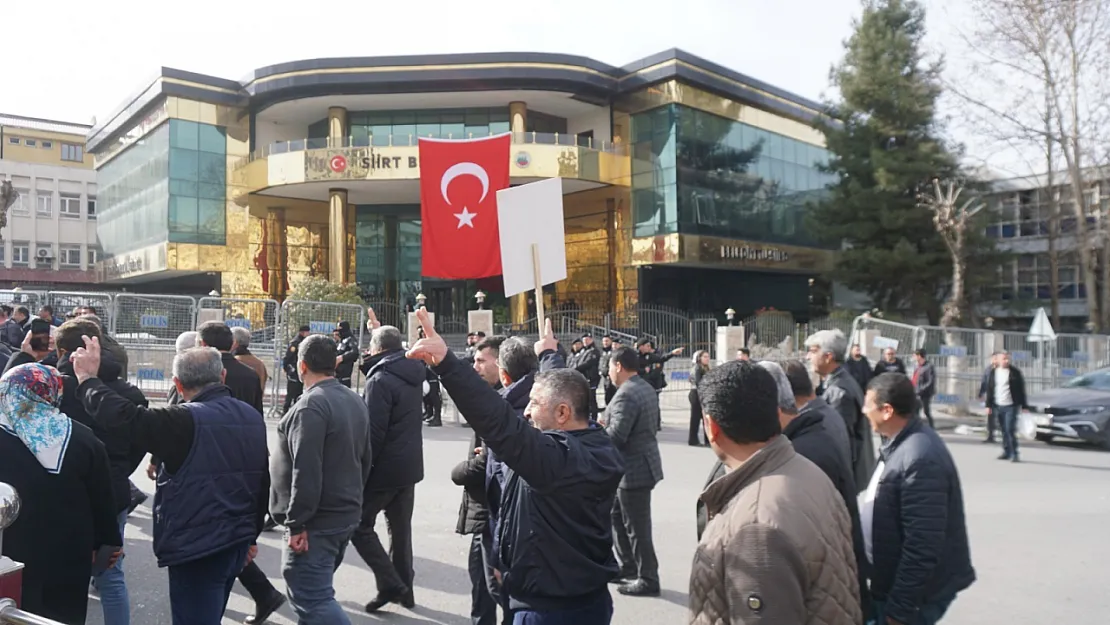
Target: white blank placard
[(531, 213)]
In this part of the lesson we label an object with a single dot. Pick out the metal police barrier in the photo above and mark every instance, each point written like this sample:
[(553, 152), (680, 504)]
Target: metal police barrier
[(18, 297), (65, 302), (148, 327), (321, 318), (11, 615), (259, 316), (874, 336)]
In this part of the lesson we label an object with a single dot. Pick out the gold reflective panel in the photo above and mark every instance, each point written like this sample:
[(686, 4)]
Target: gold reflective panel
[(726, 253)]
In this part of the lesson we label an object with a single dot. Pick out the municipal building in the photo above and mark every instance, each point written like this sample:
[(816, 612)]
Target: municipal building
[(685, 183)]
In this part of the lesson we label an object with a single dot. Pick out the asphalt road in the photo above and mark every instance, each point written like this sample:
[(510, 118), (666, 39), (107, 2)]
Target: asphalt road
[(1039, 535)]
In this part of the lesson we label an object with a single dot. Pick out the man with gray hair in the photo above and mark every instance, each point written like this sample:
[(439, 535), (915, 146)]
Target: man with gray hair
[(827, 350), (243, 354), (214, 485), (394, 401)]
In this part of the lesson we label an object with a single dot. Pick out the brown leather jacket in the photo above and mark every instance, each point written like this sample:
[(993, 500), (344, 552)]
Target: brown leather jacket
[(254, 362), (778, 547)]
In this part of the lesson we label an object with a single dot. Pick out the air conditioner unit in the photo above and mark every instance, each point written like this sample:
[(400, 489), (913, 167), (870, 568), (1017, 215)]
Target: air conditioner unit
[(44, 253)]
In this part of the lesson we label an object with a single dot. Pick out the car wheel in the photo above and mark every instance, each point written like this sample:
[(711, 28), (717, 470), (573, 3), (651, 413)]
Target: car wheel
[(1046, 438)]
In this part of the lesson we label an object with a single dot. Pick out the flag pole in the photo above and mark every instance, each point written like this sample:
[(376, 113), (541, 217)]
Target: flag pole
[(539, 288)]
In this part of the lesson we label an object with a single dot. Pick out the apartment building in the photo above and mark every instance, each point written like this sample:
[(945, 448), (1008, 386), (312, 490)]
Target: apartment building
[(50, 238)]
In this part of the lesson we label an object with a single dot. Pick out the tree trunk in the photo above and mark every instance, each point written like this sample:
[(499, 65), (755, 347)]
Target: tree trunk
[(1053, 215)]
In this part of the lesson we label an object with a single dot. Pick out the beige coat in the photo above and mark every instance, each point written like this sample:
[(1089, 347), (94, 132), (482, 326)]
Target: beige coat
[(254, 362), (777, 549)]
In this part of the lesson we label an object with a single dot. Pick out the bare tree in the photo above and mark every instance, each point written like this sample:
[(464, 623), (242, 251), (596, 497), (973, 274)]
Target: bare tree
[(1056, 52), (8, 196), (952, 220)]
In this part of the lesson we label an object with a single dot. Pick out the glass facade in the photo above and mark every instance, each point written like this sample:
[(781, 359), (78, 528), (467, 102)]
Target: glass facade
[(198, 183), (133, 194), (698, 173), (387, 250), (384, 128)]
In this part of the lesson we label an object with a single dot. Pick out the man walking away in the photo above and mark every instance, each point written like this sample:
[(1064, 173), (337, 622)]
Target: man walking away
[(347, 354), (474, 510), (562, 473), (293, 386), (243, 354), (912, 513), (603, 368), (630, 422), (858, 366), (826, 354), (1005, 398), (588, 363), (211, 497), (925, 384), (319, 471), (393, 396), (778, 545), (992, 418), (433, 401)]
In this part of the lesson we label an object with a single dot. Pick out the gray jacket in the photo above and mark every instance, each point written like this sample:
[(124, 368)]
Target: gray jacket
[(631, 421), (322, 460), (925, 377), (843, 393)]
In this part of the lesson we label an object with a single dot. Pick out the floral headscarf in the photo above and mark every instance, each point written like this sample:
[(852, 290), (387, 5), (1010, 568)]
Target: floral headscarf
[(28, 396)]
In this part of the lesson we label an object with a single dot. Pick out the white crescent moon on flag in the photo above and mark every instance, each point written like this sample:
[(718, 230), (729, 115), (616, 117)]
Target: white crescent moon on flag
[(464, 169)]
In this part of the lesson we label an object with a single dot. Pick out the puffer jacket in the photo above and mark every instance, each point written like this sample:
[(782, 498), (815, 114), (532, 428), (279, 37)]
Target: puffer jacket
[(919, 533), (394, 397), (778, 546)]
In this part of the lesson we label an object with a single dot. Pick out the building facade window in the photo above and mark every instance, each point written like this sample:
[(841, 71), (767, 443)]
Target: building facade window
[(30, 143), (69, 206), (21, 253), (90, 208), (44, 203), (46, 145), (94, 255), (697, 173), (1029, 278), (387, 250), (22, 204), (383, 128), (13, 140), (133, 194), (70, 256), (72, 152), (198, 183)]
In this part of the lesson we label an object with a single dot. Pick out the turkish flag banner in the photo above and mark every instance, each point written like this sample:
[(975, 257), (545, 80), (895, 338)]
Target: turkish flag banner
[(459, 181)]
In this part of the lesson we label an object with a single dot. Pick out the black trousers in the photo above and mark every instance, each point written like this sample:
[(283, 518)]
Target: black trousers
[(293, 391), (924, 403), (632, 534), (610, 390), (392, 570), (695, 418), (59, 595), (483, 607), (257, 584), (593, 403), (433, 404)]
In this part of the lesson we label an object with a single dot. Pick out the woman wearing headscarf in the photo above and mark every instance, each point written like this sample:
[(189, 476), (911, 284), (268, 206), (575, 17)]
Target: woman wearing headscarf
[(60, 470), (701, 367)]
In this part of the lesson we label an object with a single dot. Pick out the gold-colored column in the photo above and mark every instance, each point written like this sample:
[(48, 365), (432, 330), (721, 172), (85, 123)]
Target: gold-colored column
[(518, 121), (337, 125), (337, 236), (277, 258)]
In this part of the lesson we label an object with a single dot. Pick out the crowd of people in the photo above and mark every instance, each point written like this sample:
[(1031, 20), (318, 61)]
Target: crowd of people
[(800, 521)]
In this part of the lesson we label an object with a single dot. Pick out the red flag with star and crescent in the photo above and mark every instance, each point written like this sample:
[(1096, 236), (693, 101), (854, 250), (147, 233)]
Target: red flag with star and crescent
[(459, 181)]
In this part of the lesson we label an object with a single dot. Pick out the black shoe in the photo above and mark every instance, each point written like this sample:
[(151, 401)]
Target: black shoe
[(137, 499), (394, 595), (989, 441), (434, 424), (408, 601), (624, 577), (639, 588), (262, 611), (1004, 457)]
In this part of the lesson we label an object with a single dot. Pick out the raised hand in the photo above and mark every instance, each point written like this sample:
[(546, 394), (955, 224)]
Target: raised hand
[(547, 342), (678, 351), (372, 319), (86, 360), (431, 348)]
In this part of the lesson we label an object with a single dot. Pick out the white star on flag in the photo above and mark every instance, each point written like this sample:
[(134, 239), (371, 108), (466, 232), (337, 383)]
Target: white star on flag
[(466, 218)]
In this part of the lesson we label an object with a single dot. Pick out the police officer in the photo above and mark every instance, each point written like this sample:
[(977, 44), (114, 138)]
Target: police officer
[(347, 350), (293, 386), (651, 365)]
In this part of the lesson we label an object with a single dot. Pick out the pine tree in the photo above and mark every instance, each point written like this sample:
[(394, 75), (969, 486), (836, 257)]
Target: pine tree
[(884, 150)]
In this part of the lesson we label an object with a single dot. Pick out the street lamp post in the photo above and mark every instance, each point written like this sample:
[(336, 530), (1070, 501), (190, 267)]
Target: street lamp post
[(730, 314), (481, 297)]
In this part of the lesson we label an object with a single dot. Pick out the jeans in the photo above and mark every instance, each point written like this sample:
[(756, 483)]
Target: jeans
[(112, 586), (929, 614), (309, 577), (483, 607), (1007, 421), (599, 612), (924, 401), (199, 589)]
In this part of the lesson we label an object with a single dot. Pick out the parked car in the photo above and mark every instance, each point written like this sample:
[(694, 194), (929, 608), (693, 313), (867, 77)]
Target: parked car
[(1079, 410)]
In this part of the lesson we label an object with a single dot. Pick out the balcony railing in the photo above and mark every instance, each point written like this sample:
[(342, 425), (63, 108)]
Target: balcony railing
[(410, 140)]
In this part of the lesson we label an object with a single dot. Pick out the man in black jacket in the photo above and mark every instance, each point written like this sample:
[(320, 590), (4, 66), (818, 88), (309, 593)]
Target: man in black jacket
[(925, 382), (652, 363), (1005, 398), (293, 385), (348, 353), (588, 363), (474, 510), (607, 347), (394, 398), (123, 458), (554, 541), (858, 366), (890, 363), (246, 387), (912, 512)]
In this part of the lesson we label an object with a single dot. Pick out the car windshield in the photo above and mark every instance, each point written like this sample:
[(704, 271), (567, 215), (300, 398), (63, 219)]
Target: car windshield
[(1099, 380)]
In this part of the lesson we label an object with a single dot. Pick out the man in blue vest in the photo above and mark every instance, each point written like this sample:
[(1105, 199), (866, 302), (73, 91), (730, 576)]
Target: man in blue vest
[(213, 488)]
